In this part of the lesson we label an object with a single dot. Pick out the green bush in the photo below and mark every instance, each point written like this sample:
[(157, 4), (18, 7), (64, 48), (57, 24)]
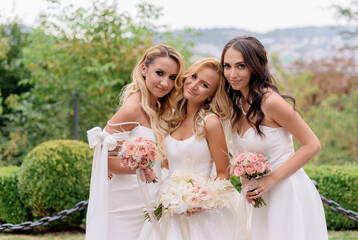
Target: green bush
[(337, 183), (12, 209), (54, 176), (340, 184)]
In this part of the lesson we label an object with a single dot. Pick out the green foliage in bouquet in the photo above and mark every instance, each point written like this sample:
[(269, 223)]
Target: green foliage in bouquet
[(54, 176), (12, 209)]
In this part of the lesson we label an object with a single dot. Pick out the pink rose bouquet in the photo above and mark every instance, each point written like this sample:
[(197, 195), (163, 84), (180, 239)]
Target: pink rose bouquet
[(139, 153), (250, 166)]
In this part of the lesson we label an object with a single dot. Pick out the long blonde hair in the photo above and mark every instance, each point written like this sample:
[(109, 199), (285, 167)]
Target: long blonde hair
[(159, 127), (220, 104)]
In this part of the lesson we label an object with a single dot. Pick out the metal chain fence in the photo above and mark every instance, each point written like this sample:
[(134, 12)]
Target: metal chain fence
[(8, 227)]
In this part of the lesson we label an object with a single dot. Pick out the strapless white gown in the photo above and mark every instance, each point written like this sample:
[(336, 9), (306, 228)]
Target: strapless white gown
[(294, 209), (194, 156), (125, 202)]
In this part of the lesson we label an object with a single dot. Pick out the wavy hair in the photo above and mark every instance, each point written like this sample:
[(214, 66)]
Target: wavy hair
[(160, 128), (219, 104), (255, 57)]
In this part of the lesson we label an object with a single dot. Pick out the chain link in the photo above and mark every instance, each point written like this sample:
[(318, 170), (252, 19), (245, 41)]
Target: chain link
[(8, 227), (336, 207)]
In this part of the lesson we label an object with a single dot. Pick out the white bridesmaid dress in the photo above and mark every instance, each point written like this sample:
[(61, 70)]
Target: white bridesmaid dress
[(294, 209), (124, 213), (193, 155)]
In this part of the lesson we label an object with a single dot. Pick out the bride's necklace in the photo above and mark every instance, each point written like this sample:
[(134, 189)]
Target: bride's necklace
[(241, 105)]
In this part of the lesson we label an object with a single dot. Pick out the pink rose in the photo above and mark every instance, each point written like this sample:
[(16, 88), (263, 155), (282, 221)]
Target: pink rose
[(239, 170), (197, 188), (250, 168), (242, 157), (123, 162), (261, 158), (132, 163), (143, 163), (152, 145), (143, 149), (253, 158), (138, 140), (268, 166), (203, 194), (194, 201), (260, 167), (152, 155), (125, 144), (130, 150)]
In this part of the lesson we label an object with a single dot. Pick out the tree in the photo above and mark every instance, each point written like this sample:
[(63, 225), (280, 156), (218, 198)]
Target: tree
[(87, 54)]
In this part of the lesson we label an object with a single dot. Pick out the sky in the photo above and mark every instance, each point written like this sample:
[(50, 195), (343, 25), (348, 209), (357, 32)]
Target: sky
[(254, 15)]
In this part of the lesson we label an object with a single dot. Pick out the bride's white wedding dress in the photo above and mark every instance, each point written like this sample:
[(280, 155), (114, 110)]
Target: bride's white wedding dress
[(193, 155), (119, 212), (294, 209)]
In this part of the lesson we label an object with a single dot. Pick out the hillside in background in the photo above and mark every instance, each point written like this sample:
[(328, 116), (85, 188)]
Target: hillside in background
[(307, 43)]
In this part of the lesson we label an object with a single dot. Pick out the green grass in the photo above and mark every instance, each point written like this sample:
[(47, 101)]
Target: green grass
[(343, 235)]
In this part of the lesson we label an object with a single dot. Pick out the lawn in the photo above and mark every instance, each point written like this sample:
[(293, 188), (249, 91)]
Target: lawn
[(344, 235)]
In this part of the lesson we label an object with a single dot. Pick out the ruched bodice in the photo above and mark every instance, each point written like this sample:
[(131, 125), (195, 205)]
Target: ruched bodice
[(192, 154)]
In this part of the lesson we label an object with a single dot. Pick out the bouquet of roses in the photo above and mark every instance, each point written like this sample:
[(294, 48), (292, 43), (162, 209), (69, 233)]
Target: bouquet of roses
[(139, 153), (187, 192), (250, 166)]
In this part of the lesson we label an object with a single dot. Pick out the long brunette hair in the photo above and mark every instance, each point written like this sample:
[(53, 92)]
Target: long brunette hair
[(255, 57)]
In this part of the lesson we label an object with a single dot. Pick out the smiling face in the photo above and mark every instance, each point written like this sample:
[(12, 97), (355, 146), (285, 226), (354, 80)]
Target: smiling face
[(160, 76), (201, 86), (236, 70)]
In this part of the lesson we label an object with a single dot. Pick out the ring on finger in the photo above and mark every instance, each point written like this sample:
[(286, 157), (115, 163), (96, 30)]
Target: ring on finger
[(257, 193)]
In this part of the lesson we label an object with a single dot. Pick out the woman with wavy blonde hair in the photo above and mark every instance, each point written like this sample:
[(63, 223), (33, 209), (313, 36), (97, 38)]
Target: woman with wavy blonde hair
[(116, 206), (196, 141)]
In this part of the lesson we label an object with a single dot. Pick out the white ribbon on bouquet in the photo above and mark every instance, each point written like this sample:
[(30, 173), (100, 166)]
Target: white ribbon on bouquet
[(243, 224)]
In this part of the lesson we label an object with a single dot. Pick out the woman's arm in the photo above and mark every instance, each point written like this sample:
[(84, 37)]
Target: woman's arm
[(277, 110), (217, 145), (129, 112)]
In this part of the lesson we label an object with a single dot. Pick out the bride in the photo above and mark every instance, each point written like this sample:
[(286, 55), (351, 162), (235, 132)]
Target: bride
[(196, 141)]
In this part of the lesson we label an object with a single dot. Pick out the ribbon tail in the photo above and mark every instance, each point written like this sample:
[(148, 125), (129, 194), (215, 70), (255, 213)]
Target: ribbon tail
[(147, 203), (243, 224), (165, 222), (97, 211)]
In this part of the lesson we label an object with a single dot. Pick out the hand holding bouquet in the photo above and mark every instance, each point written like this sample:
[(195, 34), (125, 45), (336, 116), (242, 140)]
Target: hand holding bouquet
[(250, 166), (186, 193), (139, 153)]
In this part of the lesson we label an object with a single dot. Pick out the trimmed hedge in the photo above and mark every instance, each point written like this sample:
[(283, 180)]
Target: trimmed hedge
[(340, 184), (12, 209), (54, 176), (337, 183)]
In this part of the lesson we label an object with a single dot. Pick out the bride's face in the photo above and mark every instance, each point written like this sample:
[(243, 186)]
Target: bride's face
[(201, 86)]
